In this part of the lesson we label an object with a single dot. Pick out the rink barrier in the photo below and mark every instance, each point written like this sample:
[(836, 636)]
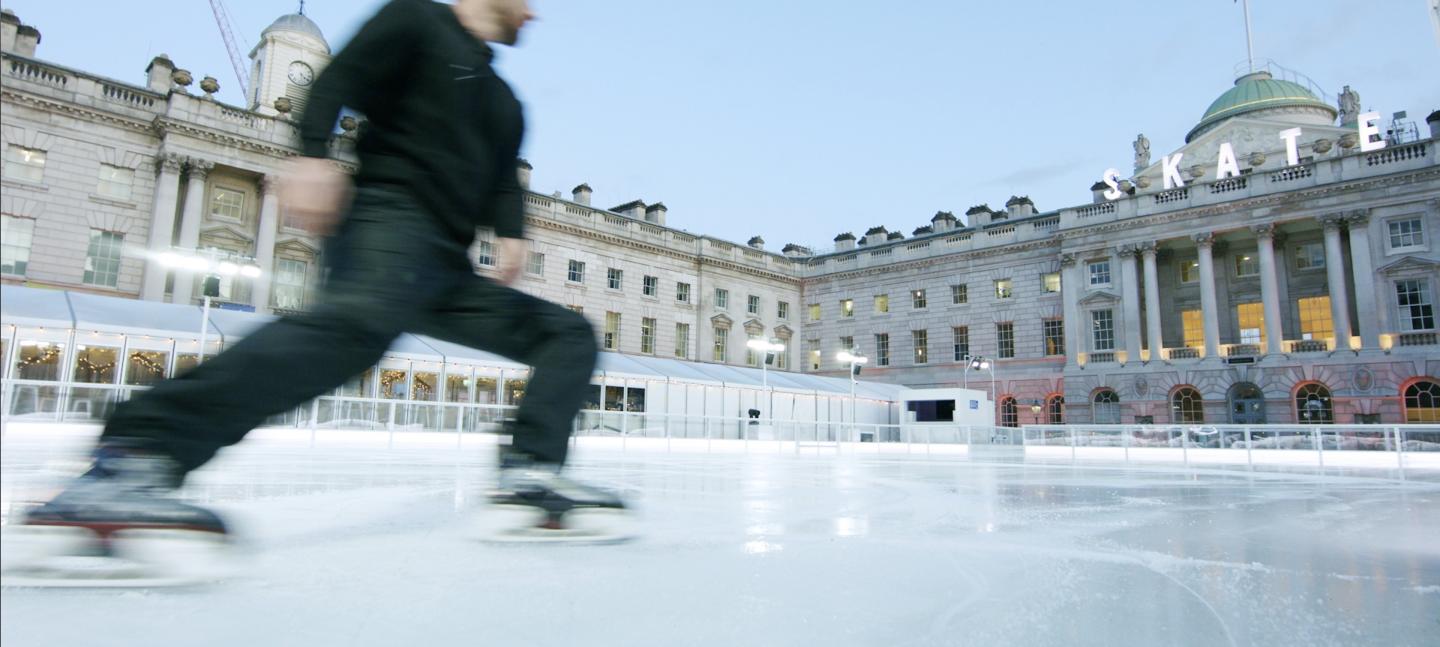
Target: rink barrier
[(1333, 445)]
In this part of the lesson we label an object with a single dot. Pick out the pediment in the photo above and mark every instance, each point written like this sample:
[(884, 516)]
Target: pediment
[(224, 234), (1100, 297), (1409, 264), (722, 321), (784, 332), (755, 327), (298, 246)]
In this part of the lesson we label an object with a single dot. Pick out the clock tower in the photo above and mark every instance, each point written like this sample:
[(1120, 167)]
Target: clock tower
[(291, 52)]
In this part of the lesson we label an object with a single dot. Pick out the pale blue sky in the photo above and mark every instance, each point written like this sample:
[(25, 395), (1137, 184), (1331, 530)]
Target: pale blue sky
[(797, 120)]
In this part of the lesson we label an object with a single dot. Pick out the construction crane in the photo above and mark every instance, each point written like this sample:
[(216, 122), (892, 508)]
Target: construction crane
[(227, 32)]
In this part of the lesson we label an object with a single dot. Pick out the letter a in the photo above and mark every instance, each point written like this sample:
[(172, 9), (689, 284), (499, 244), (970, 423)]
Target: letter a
[(1170, 169), (1226, 166)]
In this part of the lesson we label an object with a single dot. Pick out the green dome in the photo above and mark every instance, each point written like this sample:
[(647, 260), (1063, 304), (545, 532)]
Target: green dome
[(1255, 92)]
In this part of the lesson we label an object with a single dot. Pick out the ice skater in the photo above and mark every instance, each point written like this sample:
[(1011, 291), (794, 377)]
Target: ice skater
[(437, 161)]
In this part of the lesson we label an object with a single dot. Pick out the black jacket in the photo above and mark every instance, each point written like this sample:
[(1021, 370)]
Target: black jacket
[(441, 122)]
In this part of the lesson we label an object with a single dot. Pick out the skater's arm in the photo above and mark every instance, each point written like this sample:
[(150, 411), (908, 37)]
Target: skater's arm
[(509, 203), (370, 66)]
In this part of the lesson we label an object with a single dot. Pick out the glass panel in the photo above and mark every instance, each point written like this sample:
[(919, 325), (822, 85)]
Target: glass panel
[(39, 360), (393, 384), (424, 388), (146, 367), (95, 364)]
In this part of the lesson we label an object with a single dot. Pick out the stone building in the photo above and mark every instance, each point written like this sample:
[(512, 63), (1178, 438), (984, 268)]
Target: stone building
[(1296, 291)]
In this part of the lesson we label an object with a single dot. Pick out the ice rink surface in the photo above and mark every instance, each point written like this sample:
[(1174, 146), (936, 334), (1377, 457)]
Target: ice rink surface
[(356, 543)]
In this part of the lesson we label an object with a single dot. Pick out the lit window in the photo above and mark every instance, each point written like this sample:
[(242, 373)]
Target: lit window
[(1192, 324), (26, 164), (1310, 256), (921, 341), (115, 182), (682, 340), (614, 279), (576, 273), (752, 358), (289, 291), (15, 237), (847, 307), (1409, 232), (917, 299), (721, 351), (650, 286), (1005, 339), (1417, 311), (102, 259), (1247, 265), (959, 294), (961, 343), (1422, 402), (227, 204), (535, 264), (1099, 272), (1003, 289), (814, 312), (1102, 323), (1251, 317), (1050, 283), (882, 303), (612, 330), (882, 349), (814, 353), (1315, 322), (1054, 336), (1189, 271), (647, 335)]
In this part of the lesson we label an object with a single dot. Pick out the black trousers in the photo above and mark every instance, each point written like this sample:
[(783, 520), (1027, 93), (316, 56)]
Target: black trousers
[(391, 271)]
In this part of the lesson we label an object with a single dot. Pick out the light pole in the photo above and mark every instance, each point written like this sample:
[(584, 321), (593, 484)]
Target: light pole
[(769, 348), (855, 360), (214, 263)]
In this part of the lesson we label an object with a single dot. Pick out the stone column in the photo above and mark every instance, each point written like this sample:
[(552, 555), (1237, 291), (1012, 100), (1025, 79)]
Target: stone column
[(1070, 294), (162, 225), (1130, 305), (190, 225), (1155, 340), (1366, 291), (1335, 272), (265, 242), (1209, 311), (1270, 289)]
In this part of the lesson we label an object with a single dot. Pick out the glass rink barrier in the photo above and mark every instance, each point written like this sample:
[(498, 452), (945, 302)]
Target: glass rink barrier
[(1333, 445)]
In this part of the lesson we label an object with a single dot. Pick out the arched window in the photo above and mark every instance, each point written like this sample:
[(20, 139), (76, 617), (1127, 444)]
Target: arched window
[(1107, 407), (1186, 404), (1009, 415), (1422, 402), (1055, 410), (1312, 405)]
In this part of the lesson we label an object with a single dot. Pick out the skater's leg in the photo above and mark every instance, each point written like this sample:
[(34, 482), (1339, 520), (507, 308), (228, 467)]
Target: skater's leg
[(557, 343), (388, 265)]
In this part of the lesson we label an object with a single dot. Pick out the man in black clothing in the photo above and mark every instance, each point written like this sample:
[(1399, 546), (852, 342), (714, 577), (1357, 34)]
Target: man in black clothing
[(438, 160)]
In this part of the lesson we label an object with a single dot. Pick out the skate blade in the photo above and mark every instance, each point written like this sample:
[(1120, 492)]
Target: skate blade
[(518, 524), (64, 557)]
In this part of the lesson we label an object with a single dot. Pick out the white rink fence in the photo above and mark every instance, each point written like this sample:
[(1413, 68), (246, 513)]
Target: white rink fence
[(37, 406)]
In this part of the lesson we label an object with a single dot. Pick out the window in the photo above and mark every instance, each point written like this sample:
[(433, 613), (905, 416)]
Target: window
[(289, 291), (1102, 325), (612, 330), (814, 312), (962, 343), (682, 292), (1009, 413), (1107, 407), (959, 294), (721, 352), (882, 304), (1189, 271), (1315, 320), (1055, 410), (847, 307), (1251, 317), (752, 358), (917, 299), (647, 335), (102, 259), (95, 364), (15, 237), (115, 182), (1054, 330), (752, 304), (782, 310), (782, 358), (1409, 232), (1099, 272), (1187, 405), (26, 164), (1192, 324), (882, 349), (813, 353), (1312, 405), (1003, 289), (921, 341), (1422, 402), (650, 286), (1005, 339), (1050, 282), (484, 253), (1416, 310), (227, 204), (614, 279), (579, 310), (722, 298), (1310, 256), (847, 343), (1247, 265), (576, 273), (535, 264), (146, 367), (682, 340)]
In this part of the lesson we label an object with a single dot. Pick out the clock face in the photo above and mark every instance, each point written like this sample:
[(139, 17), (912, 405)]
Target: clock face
[(301, 74)]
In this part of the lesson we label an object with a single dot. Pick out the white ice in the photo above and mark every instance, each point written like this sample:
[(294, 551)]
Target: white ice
[(356, 542)]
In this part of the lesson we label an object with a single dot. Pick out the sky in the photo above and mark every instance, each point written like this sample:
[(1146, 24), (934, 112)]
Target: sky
[(800, 119)]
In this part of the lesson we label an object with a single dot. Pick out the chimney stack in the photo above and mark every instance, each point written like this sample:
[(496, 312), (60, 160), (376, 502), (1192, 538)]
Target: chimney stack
[(27, 38), (845, 242), (875, 235), (944, 221), (158, 74), (756, 242), (9, 25), (582, 193), (655, 213), (1019, 207), (979, 215), (795, 251), (632, 209), (522, 173), (1434, 121)]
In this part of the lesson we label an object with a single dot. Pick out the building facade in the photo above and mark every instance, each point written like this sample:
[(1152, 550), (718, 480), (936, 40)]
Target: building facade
[(1299, 290)]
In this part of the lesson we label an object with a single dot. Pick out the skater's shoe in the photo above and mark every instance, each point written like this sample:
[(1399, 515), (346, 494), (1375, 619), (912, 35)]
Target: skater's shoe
[(535, 502), (115, 525)]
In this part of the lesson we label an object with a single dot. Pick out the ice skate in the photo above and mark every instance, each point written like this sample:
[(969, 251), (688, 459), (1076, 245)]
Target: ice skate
[(535, 503), (117, 526)]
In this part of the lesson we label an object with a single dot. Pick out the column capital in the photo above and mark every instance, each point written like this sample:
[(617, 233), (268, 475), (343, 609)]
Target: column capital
[(168, 162), (1127, 250), (1264, 231), (1357, 218), (1067, 260), (269, 183), (1206, 239), (198, 169), (1148, 248), (1332, 221)]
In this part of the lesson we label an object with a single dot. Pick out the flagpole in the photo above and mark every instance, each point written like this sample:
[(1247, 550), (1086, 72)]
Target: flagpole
[(1249, 44)]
